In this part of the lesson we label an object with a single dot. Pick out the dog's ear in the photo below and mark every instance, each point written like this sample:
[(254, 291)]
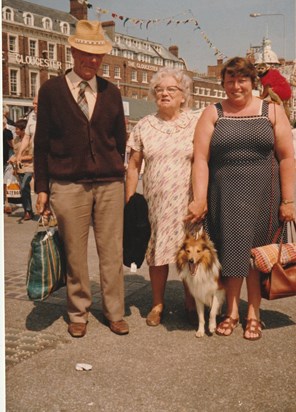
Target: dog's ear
[(181, 259), (187, 237)]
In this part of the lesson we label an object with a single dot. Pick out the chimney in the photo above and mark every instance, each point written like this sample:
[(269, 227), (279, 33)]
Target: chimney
[(219, 62), (78, 10), (174, 50), (109, 29)]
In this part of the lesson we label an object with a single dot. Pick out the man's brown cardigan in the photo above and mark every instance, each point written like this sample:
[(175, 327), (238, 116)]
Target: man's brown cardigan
[(67, 146)]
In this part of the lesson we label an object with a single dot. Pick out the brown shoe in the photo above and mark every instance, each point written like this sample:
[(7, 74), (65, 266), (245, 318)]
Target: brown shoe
[(119, 327), (28, 215), (7, 210), (77, 330)]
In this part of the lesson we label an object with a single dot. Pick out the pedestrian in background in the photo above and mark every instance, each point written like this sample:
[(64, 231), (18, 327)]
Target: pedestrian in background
[(28, 138), (7, 151), (79, 170), (23, 168), (243, 184), (165, 141)]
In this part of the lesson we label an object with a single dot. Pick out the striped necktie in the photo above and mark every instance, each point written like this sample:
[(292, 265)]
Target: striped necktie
[(81, 101)]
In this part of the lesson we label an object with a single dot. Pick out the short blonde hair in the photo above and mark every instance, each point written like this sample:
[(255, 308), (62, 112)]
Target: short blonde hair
[(181, 78)]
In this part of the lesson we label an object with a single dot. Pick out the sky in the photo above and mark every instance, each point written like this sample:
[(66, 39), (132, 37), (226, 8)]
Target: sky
[(224, 25)]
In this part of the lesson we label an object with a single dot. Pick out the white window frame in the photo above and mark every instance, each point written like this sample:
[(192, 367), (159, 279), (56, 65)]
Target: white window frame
[(52, 54), (17, 82), (134, 76), (68, 57), (36, 47), (16, 49), (144, 77), (117, 72), (65, 28), (34, 92), (47, 23), (7, 14), (106, 70), (28, 19)]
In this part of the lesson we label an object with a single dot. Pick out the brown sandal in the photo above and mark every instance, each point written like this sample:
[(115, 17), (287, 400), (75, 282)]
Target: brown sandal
[(254, 326), (227, 324), (154, 317)]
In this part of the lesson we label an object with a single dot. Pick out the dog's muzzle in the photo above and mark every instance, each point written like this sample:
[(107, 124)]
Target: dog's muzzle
[(192, 267)]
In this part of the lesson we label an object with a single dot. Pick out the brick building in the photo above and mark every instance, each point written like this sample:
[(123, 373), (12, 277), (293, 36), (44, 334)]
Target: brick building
[(35, 48)]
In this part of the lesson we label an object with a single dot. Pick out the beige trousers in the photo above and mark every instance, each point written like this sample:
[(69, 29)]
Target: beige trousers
[(77, 206)]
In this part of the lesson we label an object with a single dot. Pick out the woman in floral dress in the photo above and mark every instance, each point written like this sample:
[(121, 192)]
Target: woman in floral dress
[(164, 140)]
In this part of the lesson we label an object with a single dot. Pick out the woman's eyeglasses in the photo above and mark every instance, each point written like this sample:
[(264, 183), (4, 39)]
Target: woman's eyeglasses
[(170, 90)]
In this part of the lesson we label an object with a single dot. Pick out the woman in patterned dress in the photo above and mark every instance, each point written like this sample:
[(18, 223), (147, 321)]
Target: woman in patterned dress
[(243, 184), (164, 140)]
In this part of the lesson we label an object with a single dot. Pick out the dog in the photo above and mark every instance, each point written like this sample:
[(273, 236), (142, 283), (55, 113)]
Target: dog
[(198, 266)]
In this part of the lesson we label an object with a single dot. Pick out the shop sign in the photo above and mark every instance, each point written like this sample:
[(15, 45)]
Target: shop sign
[(142, 66), (38, 61)]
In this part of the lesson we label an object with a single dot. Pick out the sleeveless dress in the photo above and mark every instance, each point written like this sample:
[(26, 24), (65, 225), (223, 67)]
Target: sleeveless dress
[(244, 188), (167, 148)]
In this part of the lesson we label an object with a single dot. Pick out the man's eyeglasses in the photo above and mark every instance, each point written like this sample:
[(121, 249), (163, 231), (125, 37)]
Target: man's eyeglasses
[(170, 90)]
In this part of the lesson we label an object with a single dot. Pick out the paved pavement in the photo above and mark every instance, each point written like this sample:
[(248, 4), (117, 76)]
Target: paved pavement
[(163, 369)]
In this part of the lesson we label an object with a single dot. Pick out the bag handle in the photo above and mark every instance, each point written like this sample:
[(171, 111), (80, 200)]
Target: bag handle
[(44, 223), (282, 229)]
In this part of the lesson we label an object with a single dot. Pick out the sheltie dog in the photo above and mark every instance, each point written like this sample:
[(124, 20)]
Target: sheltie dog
[(199, 267)]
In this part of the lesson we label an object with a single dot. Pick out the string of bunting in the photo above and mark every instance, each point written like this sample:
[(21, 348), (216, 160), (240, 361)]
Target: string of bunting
[(167, 21), (85, 2)]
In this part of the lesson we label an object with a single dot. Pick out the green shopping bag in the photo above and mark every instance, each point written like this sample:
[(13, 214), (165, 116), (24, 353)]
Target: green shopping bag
[(46, 270)]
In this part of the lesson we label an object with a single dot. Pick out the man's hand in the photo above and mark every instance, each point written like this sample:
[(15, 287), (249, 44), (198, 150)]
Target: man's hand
[(42, 204)]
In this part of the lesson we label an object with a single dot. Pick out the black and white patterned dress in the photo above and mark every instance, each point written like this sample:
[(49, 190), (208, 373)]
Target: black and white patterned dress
[(244, 188)]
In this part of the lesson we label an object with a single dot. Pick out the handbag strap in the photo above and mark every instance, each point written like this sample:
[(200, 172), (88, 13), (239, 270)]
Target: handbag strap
[(42, 222), (283, 228)]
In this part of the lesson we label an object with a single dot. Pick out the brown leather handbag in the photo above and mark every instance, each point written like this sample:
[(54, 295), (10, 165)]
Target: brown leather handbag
[(281, 281)]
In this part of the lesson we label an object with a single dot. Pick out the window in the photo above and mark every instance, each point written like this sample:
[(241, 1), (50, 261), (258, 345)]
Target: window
[(14, 82), (115, 52), (33, 84), (33, 48), (12, 44), (106, 70), (158, 61), (128, 54), (51, 51), (47, 23), (68, 55), (28, 19), (65, 29), (144, 77), (7, 14), (134, 96), (117, 72), (134, 76)]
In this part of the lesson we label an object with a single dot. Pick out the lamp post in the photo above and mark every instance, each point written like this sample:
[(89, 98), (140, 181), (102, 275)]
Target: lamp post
[(284, 25)]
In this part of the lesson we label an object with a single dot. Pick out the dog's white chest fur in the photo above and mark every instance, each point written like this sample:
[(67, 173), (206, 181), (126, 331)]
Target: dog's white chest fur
[(203, 284)]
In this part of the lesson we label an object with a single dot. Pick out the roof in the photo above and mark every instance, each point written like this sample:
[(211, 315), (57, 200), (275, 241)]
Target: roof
[(39, 12), (139, 108)]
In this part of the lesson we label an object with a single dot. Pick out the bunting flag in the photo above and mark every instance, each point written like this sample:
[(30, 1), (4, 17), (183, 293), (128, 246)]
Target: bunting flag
[(167, 21), (85, 2)]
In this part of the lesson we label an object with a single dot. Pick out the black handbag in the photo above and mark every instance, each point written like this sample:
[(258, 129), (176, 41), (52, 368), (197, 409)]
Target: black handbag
[(136, 231)]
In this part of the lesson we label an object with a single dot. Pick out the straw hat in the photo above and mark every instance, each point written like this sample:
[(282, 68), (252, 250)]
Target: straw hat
[(89, 37)]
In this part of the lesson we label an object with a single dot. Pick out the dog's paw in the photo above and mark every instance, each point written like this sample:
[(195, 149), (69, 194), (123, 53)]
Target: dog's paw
[(200, 333), (212, 328)]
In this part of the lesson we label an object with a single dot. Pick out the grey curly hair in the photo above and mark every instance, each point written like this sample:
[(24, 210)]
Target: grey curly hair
[(180, 76)]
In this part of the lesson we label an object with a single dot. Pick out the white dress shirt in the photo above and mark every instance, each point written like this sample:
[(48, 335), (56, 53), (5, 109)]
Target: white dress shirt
[(73, 81)]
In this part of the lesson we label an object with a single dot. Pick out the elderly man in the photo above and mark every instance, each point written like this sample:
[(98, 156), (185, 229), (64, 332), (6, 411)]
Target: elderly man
[(79, 166)]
